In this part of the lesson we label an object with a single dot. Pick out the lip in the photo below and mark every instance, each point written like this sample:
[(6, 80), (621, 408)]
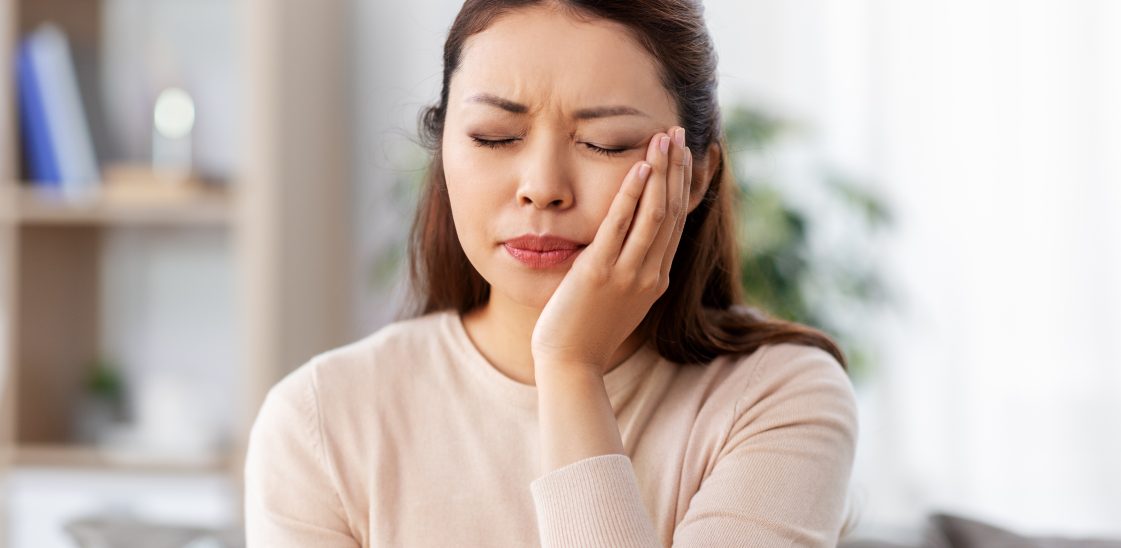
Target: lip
[(542, 251), (543, 242)]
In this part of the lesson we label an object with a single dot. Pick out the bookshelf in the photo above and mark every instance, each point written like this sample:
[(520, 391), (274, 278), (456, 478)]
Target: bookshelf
[(279, 223)]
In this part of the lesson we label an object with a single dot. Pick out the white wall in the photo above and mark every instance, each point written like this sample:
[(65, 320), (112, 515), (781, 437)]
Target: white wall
[(398, 70), (148, 45), (168, 308), (996, 128), (993, 128)]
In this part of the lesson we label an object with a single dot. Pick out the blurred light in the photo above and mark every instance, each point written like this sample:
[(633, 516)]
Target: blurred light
[(175, 113)]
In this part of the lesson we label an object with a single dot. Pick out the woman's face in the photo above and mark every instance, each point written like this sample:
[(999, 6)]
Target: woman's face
[(533, 84)]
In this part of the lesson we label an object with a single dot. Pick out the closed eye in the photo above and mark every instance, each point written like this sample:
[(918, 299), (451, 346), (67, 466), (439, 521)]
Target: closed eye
[(491, 143), (499, 143), (605, 151)]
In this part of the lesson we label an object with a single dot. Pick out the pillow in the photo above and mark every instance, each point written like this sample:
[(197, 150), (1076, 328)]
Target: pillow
[(870, 543), (123, 532), (950, 531)]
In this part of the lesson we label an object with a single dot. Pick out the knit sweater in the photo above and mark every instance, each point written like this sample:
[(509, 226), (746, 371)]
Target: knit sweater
[(410, 437)]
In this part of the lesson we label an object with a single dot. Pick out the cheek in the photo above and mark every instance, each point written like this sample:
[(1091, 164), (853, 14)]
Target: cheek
[(603, 185), (469, 171), (471, 202)]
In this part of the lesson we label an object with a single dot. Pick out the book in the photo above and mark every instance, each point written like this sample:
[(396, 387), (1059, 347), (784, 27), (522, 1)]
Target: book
[(41, 163), (57, 136)]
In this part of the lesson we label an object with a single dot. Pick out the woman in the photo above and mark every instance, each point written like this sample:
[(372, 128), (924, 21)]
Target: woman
[(579, 370)]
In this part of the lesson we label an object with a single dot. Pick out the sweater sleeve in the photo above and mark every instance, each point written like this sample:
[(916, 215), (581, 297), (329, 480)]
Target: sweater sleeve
[(592, 502), (781, 478), (290, 496)]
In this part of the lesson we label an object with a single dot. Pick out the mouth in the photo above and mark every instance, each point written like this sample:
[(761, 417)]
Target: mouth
[(542, 259), (543, 251)]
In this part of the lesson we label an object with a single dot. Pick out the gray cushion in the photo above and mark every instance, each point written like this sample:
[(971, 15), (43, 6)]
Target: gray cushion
[(953, 531), (125, 532), (869, 543)]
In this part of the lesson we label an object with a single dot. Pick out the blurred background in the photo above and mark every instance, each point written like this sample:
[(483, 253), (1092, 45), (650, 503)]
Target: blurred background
[(197, 196)]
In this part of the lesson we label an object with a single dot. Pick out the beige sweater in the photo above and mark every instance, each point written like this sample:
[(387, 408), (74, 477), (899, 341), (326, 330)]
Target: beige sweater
[(409, 437)]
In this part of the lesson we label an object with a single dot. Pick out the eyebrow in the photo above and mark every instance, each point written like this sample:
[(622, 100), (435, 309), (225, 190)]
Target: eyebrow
[(582, 114)]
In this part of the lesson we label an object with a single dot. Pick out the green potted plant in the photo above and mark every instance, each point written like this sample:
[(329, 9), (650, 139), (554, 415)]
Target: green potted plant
[(101, 406), (783, 272)]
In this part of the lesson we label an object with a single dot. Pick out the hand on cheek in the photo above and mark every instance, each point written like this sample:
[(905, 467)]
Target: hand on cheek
[(615, 280)]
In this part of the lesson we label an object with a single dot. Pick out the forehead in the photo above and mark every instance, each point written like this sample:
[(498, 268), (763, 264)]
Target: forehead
[(545, 58)]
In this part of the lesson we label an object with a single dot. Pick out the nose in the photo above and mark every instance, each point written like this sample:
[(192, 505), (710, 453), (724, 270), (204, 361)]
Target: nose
[(546, 181)]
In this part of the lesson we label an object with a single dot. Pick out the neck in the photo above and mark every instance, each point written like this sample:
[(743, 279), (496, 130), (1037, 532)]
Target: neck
[(502, 330)]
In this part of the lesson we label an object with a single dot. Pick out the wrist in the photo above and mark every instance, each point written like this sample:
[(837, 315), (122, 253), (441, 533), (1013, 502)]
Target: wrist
[(571, 371)]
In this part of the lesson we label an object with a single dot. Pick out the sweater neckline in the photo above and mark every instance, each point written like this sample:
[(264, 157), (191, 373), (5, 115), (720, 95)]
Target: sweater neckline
[(525, 395)]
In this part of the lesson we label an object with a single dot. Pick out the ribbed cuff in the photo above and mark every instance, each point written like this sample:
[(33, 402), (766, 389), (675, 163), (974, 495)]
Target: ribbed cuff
[(592, 502)]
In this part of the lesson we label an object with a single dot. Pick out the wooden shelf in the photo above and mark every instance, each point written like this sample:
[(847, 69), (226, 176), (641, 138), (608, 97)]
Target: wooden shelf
[(27, 205), (86, 456)]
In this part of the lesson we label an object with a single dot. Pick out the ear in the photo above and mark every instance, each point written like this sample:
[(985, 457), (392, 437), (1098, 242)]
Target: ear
[(702, 175)]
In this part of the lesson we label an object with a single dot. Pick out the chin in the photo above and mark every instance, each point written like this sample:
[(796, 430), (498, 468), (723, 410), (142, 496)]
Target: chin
[(528, 289)]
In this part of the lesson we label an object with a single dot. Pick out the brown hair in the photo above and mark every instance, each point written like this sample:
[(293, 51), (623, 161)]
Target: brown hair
[(701, 315)]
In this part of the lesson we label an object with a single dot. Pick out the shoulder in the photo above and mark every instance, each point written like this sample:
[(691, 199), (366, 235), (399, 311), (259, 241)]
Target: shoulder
[(402, 337), (778, 381), (339, 390), (370, 363), (776, 365), (789, 383)]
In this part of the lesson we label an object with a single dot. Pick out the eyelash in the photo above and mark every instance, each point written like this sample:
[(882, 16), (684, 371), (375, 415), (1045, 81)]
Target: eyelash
[(503, 142)]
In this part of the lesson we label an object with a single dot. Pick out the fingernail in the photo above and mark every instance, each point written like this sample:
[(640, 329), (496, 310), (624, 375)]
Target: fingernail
[(679, 137), (643, 171), (664, 145)]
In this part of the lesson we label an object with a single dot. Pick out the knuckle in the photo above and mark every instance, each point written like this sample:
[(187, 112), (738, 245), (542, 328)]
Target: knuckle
[(601, 275), (651, 283), (658, 214), (598, 275)]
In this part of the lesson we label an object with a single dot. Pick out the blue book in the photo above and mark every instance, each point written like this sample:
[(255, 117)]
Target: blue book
[(67, 132), (41, 160)]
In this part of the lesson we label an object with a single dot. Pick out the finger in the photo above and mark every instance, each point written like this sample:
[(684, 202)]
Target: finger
[(651, 207), (674, 207), (609, 237), (686, 191)]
